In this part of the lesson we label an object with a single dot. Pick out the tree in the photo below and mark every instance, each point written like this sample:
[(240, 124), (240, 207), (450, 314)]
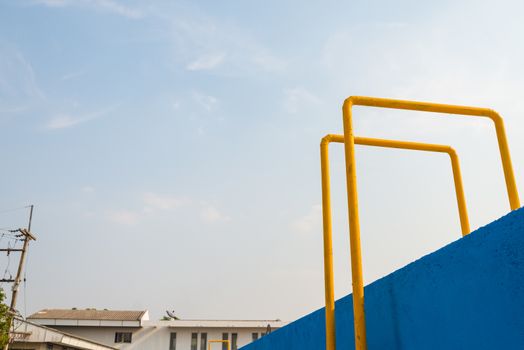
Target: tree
[(5, 320)]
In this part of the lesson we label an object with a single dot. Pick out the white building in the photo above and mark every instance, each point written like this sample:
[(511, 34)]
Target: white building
[(133, 329)]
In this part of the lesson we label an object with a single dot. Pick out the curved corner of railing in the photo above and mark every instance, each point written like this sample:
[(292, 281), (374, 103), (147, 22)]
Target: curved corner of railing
[(494, 115), (350, 101), (326, 140), (451, 152)]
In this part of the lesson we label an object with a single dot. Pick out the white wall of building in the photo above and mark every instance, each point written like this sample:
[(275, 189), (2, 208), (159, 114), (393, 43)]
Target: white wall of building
[(155, 335), (104, 335)]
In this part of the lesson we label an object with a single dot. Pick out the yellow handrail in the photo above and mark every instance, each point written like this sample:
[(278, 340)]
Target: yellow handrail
[(219, 341), (354, 224), (326, 209)]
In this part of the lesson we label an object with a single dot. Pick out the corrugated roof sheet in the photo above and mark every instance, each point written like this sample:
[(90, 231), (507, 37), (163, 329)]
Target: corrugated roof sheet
[(88, 314), (48, 336)]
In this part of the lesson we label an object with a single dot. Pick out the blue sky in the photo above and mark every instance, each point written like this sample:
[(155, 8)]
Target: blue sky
[(171, 147)]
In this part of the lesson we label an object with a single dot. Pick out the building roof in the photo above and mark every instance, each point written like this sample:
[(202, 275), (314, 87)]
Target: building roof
[(218, 323), (88, 314), (30, 333)]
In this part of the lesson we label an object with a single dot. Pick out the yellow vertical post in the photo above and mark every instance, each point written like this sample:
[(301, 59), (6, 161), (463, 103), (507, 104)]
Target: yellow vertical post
[(509, 176), (328, 245), (359, 316), (459, 192)]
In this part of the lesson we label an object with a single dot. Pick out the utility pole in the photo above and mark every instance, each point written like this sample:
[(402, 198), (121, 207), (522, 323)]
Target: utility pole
[(27, 237), (30, 217), (16, 282)]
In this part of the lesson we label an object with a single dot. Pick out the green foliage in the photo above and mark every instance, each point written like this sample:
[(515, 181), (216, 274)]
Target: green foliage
[(5, 320)]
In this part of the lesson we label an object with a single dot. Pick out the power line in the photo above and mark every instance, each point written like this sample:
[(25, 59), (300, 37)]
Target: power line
[(14, 209)]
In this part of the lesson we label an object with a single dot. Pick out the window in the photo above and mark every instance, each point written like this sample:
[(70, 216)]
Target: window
[(234, 337), (172, 341), (203, 341), (194, 341), (224, 337), (254, 336), (123, 337)]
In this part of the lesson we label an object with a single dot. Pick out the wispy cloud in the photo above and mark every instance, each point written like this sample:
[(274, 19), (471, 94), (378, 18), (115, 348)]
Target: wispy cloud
[(310, 221), (208, 102), (176, 105), (212, 214), (156, 201), (153, 203), (14, 110), (206, 62), (261, 57), (72, 75), (217, 45), (124, 217), (298, 97), (88, 189), (64, 121), (199, 40), (17, 79), (107, 6), (53, 3), (118, 8)]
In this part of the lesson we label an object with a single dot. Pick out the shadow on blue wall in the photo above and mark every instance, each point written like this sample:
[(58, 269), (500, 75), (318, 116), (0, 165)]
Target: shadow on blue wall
[(467, 295)]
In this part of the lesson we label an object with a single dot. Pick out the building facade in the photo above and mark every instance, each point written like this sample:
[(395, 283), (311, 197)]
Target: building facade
[(134, 331)]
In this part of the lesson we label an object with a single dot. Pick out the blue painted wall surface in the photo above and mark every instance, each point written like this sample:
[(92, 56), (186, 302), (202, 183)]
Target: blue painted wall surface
[(467, 295)]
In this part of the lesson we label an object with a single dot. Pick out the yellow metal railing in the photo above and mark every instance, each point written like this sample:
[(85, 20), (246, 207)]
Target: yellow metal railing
[(326, 209), (354, 225), (219, 341)]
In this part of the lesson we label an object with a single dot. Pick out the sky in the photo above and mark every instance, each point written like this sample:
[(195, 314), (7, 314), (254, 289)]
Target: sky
[(171, 148)]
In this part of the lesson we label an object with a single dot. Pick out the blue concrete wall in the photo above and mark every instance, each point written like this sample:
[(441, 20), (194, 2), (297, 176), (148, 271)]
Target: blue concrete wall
[(467, 295)]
